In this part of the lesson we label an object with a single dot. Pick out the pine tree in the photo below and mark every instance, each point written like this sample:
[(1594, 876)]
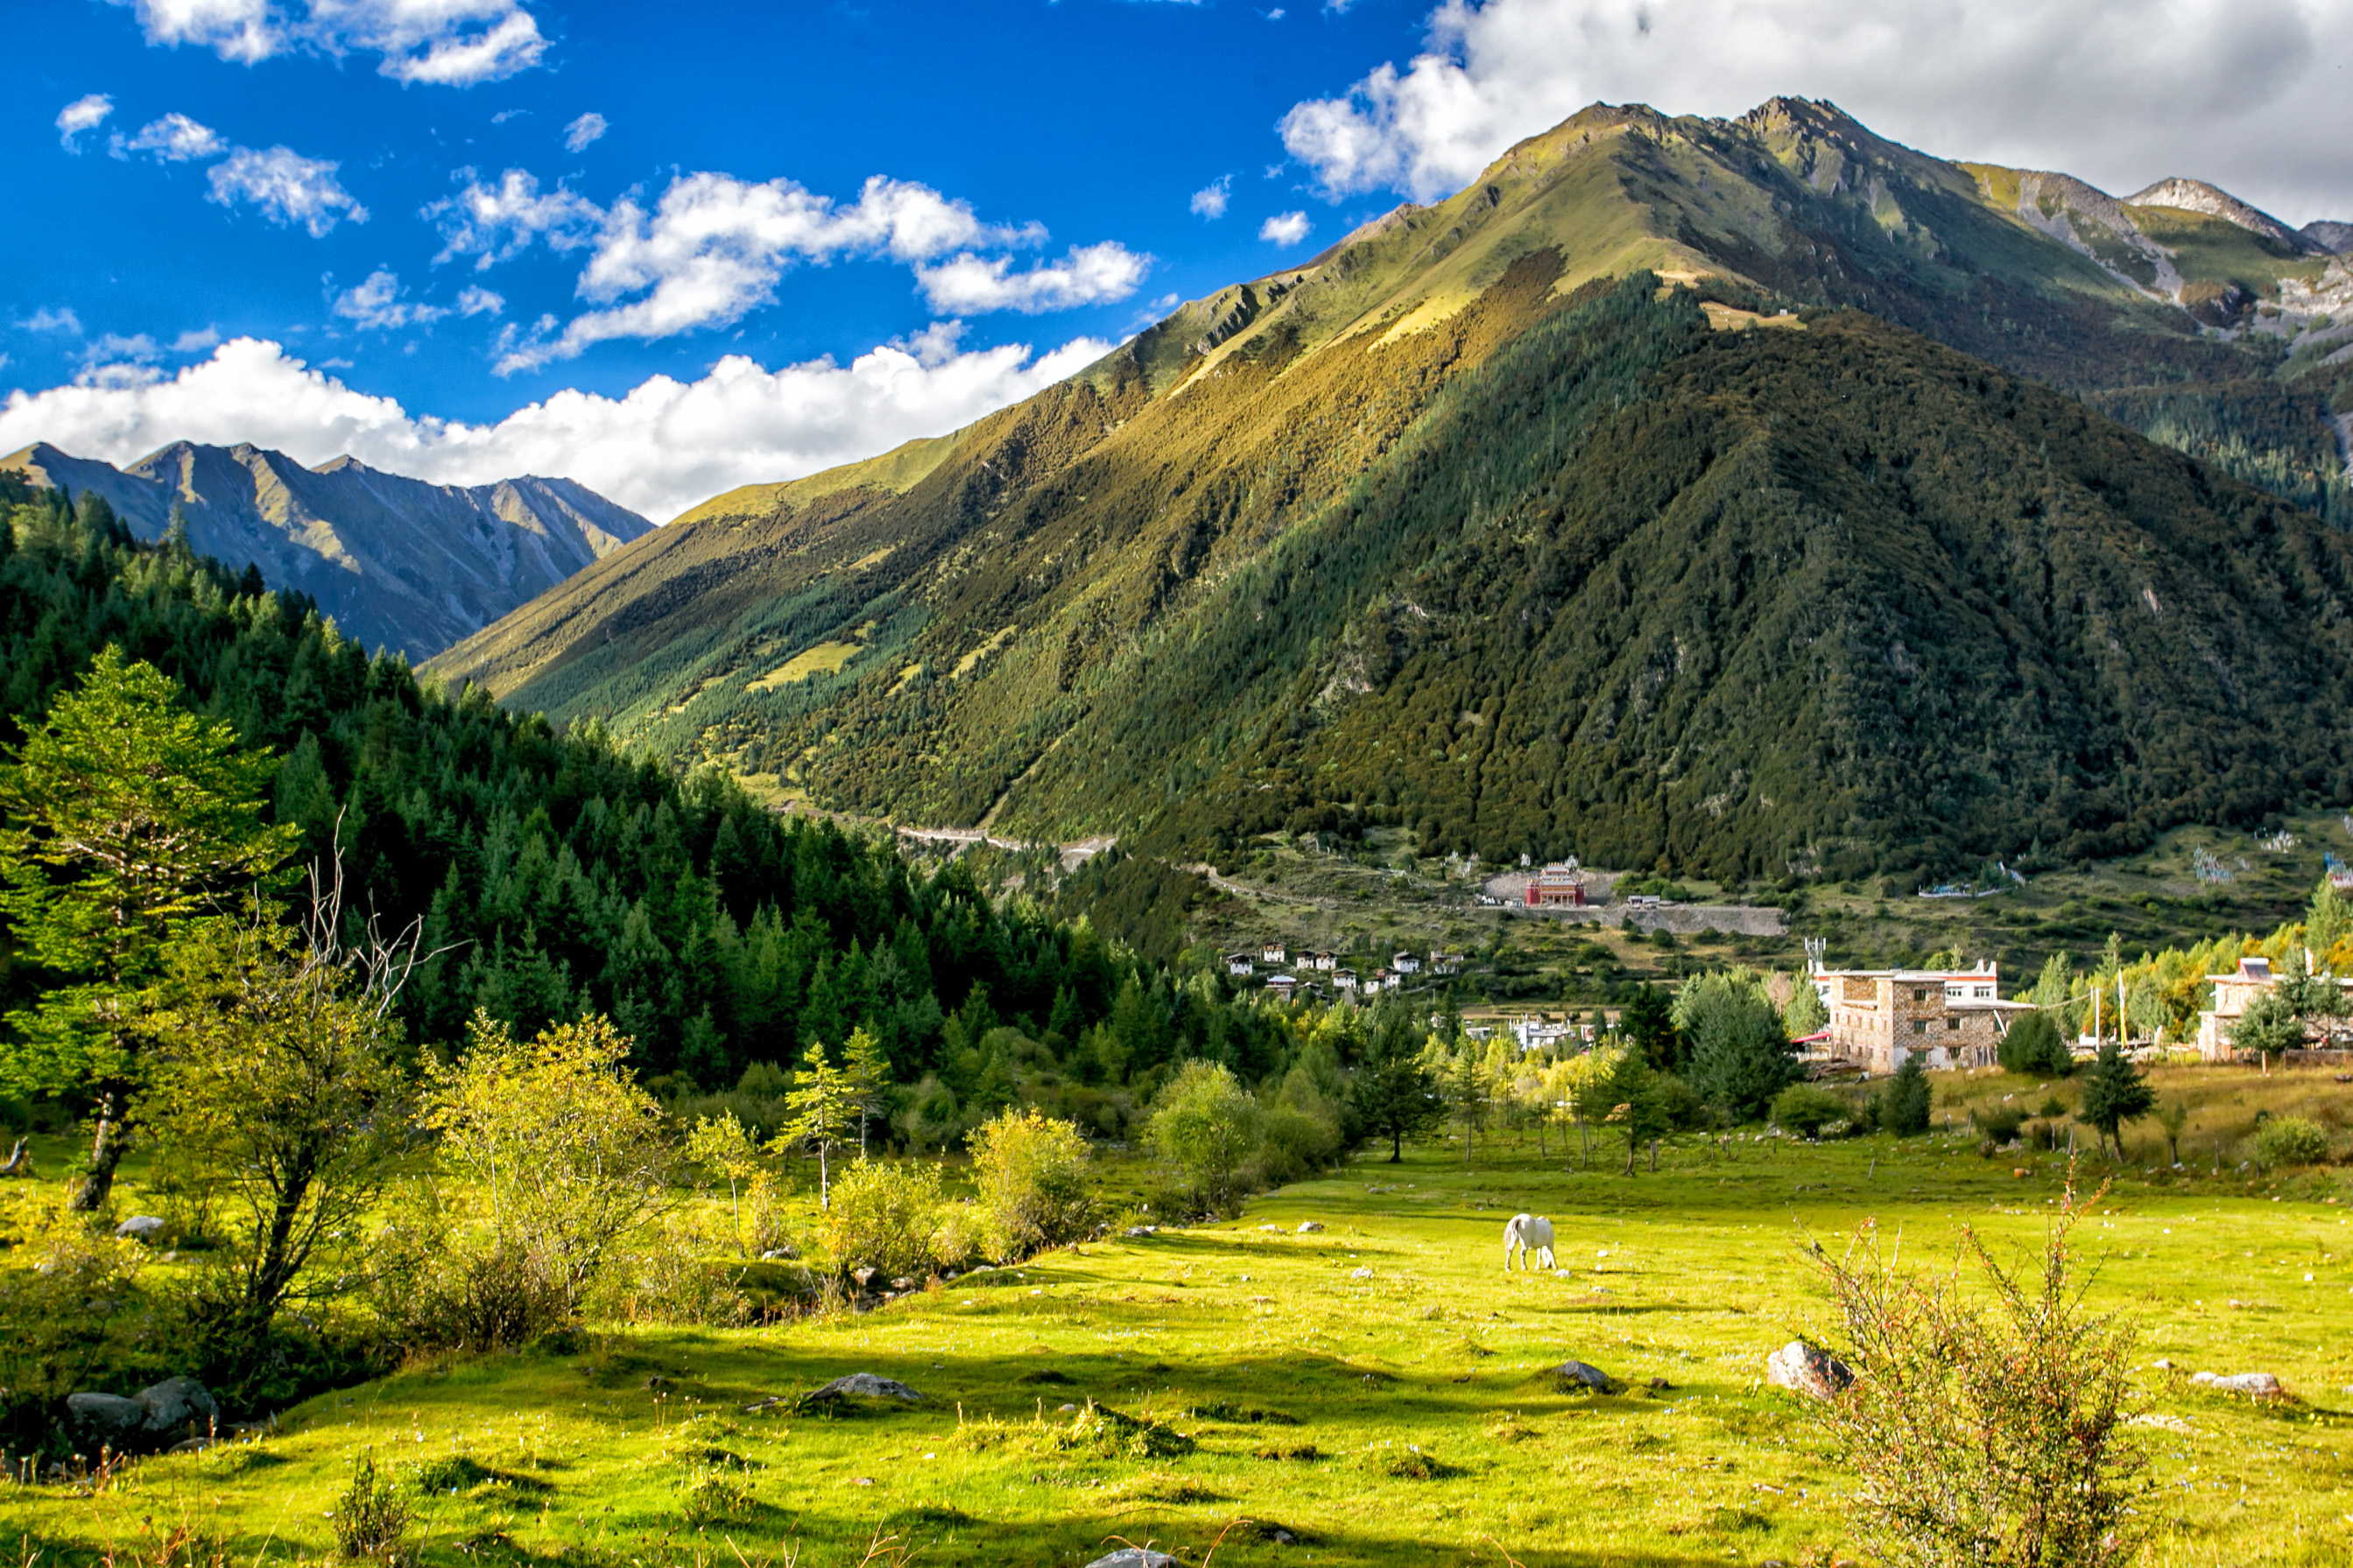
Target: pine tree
[(2114, 1092), (866, 1071), (128, 817), (1395, 1094), (818, 1109), (1905, 1104)]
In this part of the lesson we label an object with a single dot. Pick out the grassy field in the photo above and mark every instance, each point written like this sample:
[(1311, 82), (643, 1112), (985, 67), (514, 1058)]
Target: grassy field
[(1376, 1392)]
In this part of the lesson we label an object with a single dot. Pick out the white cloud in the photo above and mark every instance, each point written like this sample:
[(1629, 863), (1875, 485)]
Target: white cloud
[(287, 187), (375, 305), (46, 319), (1089, 275), (509, 45), (1285, 228), (1210, 200), (247, 30), (197, 340), (660, 448), (84, 114), (715, 246), (112, 349), (175, 139), (473, 302), (454, 43), (583, 130), (495, 223), (2250, 94)]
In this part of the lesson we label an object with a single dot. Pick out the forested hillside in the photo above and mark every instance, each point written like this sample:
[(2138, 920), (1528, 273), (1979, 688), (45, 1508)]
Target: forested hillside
[(1476, 526), (555, 874)]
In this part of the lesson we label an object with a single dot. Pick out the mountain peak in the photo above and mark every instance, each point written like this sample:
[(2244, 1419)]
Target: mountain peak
[(399, 563), (2198, 196), (2331, 234)]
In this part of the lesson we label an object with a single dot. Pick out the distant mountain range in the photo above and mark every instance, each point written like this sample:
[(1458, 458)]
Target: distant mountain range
[(1588, 510), (398, 563)]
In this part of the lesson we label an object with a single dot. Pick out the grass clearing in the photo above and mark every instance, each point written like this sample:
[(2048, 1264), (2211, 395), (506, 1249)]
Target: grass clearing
[(1378, 1391), (825, 658)]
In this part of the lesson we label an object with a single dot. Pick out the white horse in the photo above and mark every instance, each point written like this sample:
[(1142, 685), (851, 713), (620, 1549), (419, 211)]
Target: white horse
[(1525, 1233)]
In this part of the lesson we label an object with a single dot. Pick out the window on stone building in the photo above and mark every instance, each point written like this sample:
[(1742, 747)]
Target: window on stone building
[(1919, 1026)]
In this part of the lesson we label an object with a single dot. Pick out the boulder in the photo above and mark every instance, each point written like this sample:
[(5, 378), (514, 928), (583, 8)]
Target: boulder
[(1137, 1557), (104, 1421), (140, 1227), (1585, 1372), (864, 1277), (1804, 1369), (177, 1402), (1308, 1226), (155, 1418), (866, 1385), (2262, 1384), (1360, 1273)]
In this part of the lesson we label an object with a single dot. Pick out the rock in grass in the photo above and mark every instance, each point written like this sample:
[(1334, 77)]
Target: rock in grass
[(177, 1403), (867, 1385), (1308, 1226), (155, 1418), (1137, 1557), (2262, 1384), (140, 1227), (1585, 1373), (1804, 1369), (103, 1421)]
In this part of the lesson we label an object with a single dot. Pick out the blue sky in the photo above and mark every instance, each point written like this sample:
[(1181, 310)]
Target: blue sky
[(669, 249)]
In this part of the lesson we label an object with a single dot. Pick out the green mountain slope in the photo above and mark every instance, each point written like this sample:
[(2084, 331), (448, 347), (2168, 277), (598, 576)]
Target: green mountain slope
[(398, 562), (1448, 529)]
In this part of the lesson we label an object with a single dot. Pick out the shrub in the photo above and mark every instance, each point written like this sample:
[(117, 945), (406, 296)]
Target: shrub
[(1294, 1144), (1805, 1109), (559, 1154), (965, 1234), (2000, 1123), (2290, 1141), (432, 1292), (714, 1493), (884, 1216), (1204, 1126), (1032, 1173), (2032, 1048), (1681, 1103), (1986, 1433), (371, 1518), (673, 1278)]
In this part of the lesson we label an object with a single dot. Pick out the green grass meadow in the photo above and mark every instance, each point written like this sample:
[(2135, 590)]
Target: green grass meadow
[(1378, 1391)]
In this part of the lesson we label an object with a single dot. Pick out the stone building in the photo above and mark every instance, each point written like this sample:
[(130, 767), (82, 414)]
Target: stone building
[(1880, 1017)]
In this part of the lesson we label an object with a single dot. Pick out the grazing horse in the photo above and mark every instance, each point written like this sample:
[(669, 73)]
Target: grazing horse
[(1525, 1233)]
